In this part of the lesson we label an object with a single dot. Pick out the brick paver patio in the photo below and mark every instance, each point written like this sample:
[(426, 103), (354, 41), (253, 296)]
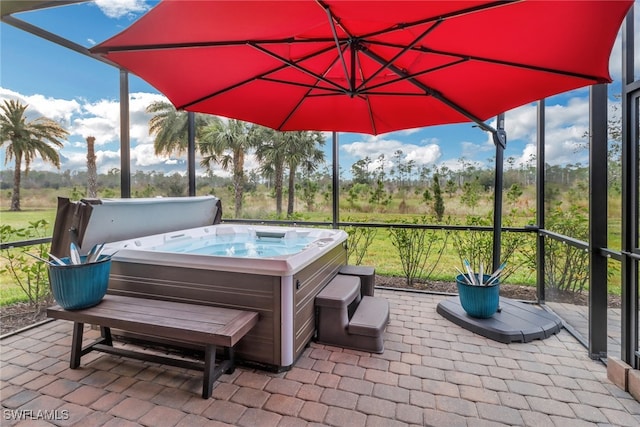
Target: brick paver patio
[(431, 373), (577, 317)]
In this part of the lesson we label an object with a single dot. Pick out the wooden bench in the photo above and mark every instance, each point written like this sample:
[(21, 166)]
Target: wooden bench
[(211, 326)]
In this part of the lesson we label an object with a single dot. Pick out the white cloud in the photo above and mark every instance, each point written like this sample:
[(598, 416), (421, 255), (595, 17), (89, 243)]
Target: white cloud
[(422, 155), (375, 146), (60, 110), (565, 127), (100, 119), (471, 149), (104, 127), (143, 155), (120, 8)]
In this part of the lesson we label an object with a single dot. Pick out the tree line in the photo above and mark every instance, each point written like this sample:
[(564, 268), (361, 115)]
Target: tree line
[(296, 157)]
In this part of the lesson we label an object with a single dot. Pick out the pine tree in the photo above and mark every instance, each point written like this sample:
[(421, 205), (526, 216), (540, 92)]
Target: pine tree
[(92, 172), (438, 202)]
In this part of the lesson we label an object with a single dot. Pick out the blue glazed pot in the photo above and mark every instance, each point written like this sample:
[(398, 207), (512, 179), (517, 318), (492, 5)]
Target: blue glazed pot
[(80, 285), (478, 301)]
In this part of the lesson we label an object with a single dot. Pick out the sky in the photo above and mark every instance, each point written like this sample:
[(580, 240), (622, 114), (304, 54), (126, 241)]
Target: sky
[(83, 95)]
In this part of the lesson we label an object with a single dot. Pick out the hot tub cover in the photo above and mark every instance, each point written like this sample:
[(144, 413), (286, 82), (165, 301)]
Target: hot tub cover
[(91, 221)]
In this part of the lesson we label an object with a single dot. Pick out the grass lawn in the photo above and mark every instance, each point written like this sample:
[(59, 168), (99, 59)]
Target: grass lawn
[(24, 217), (380, 253), (10, 291)]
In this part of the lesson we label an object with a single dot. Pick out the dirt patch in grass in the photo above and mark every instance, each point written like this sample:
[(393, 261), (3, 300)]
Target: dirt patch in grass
[(17, 316)]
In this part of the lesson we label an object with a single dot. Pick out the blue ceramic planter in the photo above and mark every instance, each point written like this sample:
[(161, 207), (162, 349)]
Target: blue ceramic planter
[(81, 285), (478, 301)]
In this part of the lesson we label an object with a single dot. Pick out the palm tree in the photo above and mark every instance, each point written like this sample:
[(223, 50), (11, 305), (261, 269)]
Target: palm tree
[(170, 127), (271, 155), (27, 140), (302, 149), (226, 143)]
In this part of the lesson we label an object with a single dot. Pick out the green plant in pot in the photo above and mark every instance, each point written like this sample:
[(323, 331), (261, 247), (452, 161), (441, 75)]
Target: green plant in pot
[(479, 292)]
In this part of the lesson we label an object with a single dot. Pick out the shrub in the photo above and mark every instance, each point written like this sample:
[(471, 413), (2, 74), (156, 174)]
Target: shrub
[(414, 246), (476, 246), (31, 275), (358, 241), (566, 267)]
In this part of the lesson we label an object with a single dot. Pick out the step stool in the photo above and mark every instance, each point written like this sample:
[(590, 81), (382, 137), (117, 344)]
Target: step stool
[(366, 274), (347, 320)]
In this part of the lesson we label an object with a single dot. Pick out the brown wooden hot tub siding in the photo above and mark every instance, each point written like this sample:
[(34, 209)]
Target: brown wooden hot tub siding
[(242, 291)]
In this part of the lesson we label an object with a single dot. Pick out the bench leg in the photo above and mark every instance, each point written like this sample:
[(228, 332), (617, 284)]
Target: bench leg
[(230, 356), (76, 345), (209, 371), (106, 335)]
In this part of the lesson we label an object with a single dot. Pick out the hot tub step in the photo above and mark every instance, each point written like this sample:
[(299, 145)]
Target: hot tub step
[(366, 274), (339, 292), (368, 324), (370, 318), (347, 320)]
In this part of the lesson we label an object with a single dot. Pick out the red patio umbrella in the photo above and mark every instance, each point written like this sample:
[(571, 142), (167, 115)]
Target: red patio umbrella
[(369, 66)]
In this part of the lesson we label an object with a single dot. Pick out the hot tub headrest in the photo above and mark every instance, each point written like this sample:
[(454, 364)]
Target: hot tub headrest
[(90, 221)]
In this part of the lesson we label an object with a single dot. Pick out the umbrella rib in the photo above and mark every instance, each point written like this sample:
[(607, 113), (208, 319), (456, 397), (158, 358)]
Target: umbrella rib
[(518, 65), (337, 41), (203, 44), (295, 65), (371, 117), (354, 44), (227, 89), (293, 110), (366, 99), (445, 16), (467, 57), (404, 50), (307, 94), (413, 75), (231, 87), (305, 85), (432, 92)]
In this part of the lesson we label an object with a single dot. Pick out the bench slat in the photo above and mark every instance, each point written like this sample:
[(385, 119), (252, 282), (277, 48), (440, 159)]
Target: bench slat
[(184, 310), (221, 326)]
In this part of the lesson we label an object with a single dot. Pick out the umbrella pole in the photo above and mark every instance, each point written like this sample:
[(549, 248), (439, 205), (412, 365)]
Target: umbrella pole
[(500, 140), (191, 152)]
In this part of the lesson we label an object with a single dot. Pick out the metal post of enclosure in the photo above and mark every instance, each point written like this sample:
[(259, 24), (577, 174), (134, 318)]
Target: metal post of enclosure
[(598, 144), (540, 194), (500, 140), (630, 211), (336, 180), (125, 141)]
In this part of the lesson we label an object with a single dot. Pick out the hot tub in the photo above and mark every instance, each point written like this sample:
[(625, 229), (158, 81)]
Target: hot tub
[(276, 271)]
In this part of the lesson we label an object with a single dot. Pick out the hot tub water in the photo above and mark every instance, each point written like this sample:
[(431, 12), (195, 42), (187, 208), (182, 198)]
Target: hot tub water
[(245, 245)]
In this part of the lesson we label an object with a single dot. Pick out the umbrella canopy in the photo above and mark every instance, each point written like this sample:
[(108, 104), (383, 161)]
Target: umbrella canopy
[(370, 67)]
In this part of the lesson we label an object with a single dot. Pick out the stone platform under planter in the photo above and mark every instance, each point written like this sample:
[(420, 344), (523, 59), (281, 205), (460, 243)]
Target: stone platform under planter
[(514, 322)]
